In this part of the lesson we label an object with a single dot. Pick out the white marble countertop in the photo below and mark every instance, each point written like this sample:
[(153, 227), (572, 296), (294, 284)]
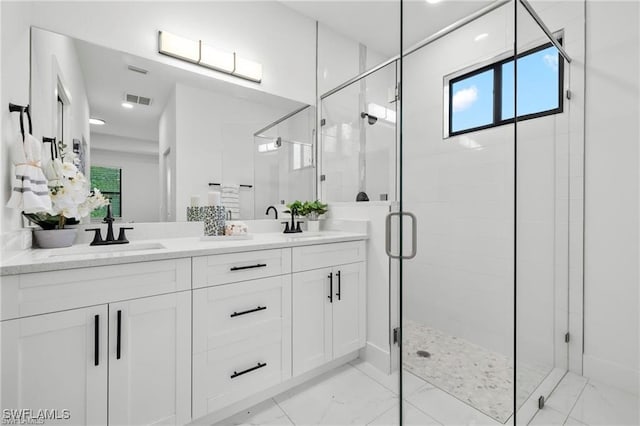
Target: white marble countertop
[(83, 255)]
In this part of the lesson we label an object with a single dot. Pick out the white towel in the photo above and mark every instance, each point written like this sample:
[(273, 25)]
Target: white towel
[(29, 189)]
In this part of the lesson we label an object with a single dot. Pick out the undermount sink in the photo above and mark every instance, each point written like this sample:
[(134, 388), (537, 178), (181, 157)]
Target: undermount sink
[(305, 234), (116, 248)]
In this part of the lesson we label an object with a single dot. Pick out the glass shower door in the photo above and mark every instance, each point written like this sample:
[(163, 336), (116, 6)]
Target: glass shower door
[(484, 198)]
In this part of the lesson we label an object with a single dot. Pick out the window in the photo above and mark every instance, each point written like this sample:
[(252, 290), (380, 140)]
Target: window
[(109, 181), (302, 155), (484, 97)]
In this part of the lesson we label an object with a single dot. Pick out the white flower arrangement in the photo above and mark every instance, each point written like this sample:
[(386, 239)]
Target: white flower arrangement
[(70, 194)]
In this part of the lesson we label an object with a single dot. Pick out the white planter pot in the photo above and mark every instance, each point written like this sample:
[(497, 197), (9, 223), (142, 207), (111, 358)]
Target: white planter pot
[(313, 226), (54, 238)]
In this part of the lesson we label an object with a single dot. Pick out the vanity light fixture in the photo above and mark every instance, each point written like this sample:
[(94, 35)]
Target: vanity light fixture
[(97, 121), (217, 59), (250, 70), (127, 105), (207, 56), (178, 47)]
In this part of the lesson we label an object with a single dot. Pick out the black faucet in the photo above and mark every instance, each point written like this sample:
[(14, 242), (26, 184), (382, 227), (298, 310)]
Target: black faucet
[(292, 229), (274, 211), (97, 238)]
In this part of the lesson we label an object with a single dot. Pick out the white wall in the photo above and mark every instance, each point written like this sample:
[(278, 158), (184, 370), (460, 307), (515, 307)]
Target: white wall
[(55, 57), (214, 143), (140, 189), (14, 62), (611, 194), (267, 32)]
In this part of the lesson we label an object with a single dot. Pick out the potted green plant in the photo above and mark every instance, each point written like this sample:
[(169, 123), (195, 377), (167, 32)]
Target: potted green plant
[(312, 210)]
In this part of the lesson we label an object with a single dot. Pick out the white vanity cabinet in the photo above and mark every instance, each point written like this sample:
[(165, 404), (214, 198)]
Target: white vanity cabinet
[(241, 330), (126, 360), (150, 360), (57, 361), (329, 304)]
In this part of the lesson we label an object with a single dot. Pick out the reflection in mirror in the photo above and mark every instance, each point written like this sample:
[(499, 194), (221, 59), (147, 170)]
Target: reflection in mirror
[(284, 166), (159, 134)]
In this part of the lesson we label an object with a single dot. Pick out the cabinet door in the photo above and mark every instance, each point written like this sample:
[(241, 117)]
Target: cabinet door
[(58, 362), (311, 320), (150, 367), (349, 315)]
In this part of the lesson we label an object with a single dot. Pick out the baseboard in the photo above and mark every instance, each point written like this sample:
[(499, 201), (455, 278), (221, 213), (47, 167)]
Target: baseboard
[(235, 408), (611, 374), (377, 357)]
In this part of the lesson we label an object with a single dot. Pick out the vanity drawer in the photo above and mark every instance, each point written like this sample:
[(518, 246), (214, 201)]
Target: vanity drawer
[(44, 292), (230, 313), (230, 374), (325, 255), (235, 267)]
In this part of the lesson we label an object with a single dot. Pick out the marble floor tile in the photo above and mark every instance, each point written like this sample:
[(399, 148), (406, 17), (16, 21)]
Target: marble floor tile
[(412, 417), (265, 413), (604, 405), (565, 395), (342, 397), (573, 422), (548, 417), (410, 382), (447, 409)]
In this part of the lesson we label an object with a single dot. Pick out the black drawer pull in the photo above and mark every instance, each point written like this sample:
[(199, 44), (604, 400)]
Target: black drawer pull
[(96, 341), (119, 334), (249, 370), (240, 268), (237, 314)]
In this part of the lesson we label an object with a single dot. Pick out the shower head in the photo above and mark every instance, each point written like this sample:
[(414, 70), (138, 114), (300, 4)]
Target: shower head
[(371, 119)]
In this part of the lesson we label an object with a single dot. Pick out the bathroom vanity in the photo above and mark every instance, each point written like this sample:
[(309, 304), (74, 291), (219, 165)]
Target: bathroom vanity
[(179, 329)]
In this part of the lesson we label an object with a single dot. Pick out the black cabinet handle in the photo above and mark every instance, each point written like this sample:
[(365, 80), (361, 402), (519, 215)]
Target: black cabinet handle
[(119, 334), (96, 343), (237, 314), (339, 293), (330, 296), (240, 268), (248, 370)]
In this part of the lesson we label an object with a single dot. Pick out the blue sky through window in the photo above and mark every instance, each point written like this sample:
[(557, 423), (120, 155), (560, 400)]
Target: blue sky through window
[(472, 102), (538, 86), (537, 83)]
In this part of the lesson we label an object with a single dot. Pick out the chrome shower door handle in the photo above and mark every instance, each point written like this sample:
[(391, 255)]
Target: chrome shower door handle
[(414, 235)]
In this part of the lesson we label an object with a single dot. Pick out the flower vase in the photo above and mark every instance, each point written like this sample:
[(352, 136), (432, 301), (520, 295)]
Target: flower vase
[(54, 238)]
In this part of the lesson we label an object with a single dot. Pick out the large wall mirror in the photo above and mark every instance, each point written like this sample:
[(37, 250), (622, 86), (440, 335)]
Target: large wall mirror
[(152, 136)]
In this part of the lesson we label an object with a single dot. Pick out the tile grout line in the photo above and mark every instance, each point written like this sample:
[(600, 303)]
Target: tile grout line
[(576, 402), (284, 411)]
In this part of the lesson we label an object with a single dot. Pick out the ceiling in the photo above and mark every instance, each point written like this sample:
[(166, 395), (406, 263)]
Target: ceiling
[(376, 23), (107, 79)]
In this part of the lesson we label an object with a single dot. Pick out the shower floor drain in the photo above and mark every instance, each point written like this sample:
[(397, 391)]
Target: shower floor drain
[(423, 354)]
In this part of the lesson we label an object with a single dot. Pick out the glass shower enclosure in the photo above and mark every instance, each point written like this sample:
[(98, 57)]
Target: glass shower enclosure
[(468, 135)]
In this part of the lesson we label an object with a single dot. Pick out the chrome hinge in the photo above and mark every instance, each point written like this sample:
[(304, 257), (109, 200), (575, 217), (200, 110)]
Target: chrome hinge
[(396, 335), (567, 338)]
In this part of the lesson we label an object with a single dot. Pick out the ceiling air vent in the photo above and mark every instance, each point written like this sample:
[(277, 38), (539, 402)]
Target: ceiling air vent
[(135, 99), (137, 69)]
